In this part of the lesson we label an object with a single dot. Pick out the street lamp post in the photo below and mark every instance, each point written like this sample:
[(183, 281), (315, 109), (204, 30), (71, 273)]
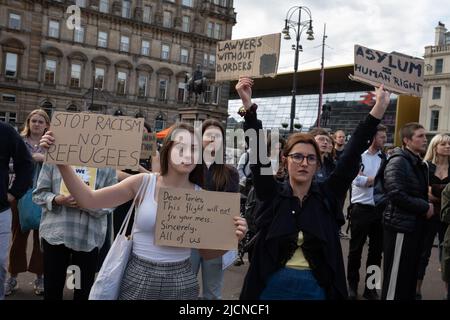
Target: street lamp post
[(298, 27)]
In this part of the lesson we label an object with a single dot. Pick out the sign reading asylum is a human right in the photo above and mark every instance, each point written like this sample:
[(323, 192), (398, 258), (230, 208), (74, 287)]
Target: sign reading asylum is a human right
[(252, 57), (399, 73)]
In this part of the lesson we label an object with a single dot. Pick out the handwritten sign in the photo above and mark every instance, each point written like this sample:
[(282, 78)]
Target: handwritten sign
[(399, 73), (148, 148), (253, 57), (87, 175), (196, 219), (95, 140)]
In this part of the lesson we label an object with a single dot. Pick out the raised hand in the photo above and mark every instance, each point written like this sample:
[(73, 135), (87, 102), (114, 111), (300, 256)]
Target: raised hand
[(382, 102), (244, 89)]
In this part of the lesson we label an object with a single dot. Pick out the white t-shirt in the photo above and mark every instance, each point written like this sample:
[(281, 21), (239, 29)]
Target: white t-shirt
[(144, 231)]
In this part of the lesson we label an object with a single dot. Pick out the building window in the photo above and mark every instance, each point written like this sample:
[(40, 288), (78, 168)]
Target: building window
[(75, 75), (223, 3), (439, 66), (9, 117), (181, 95), (186, 26), (210, 29), (434, 122), (48, 107), (126, 9), (162, 89), (212, 94), (142, 86), (436, 93), (205, 59), (99, 78), (124, 43), (14, 21), (159, 123), (165, 52), (121, 82), (102, 39), (50, 71), (212, 60), (53, 29), (147, 16), (218, 31), (187, 3), (184, 57), (167, 19), (9, 98), (78, 34), (11, 65), (81, 3), (145, 48), (104, 6)]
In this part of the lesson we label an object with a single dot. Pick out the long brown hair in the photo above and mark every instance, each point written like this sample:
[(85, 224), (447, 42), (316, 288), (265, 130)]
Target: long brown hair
[(221, 176), (40, 112), (196, 175)]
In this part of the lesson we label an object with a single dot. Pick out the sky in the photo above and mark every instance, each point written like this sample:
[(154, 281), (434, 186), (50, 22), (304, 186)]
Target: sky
[(405, 26)]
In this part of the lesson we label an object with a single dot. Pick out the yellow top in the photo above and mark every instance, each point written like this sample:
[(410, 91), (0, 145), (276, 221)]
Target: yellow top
[(298, 260)]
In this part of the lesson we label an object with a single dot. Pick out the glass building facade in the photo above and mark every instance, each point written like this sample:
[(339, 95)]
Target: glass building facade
[(347, 110)]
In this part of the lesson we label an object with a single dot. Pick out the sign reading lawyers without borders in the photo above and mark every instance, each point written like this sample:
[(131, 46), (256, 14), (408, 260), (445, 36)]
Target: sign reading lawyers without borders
[(95, 140), (399, 73), (252, 57), (196, 219)]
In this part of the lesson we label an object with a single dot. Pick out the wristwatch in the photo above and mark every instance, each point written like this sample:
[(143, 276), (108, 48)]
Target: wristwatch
[(242, 112)]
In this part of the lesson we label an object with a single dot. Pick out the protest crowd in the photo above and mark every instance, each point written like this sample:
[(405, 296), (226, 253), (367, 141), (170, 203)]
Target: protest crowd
[(288, 215)]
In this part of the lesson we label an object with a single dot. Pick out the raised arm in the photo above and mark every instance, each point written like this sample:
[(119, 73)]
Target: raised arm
[(108, 197), (264, 184), (347, 166)]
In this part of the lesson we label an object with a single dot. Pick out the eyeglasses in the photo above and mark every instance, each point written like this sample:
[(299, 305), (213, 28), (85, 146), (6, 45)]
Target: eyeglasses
[(298, 158)]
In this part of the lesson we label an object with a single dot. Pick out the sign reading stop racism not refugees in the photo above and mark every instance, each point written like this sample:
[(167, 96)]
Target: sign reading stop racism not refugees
[(399, 73), (253, 57), (95, 140)]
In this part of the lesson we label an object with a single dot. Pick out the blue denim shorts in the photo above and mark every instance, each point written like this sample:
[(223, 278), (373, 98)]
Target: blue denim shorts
[(293, 284)]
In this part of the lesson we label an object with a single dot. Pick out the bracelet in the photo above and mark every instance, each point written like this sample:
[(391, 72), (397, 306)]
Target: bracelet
[(242, 112)]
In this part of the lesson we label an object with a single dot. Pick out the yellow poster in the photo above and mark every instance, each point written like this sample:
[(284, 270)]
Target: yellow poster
[(88, 175)]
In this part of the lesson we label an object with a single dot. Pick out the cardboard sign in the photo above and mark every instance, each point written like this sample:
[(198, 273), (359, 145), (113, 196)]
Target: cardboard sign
[(148, 148), (88, 175), (399, 73), (253, 57), (95, 140), (196, 219)]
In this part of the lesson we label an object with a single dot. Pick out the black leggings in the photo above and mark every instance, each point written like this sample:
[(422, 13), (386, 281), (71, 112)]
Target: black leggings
[(56, 260)]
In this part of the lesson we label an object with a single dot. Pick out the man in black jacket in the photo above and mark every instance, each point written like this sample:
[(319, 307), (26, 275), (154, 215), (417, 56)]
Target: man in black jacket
[(11, 146), (406, 184)]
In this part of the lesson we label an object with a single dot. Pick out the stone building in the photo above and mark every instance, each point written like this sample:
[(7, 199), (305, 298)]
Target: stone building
[(130, 55), (435, 102)]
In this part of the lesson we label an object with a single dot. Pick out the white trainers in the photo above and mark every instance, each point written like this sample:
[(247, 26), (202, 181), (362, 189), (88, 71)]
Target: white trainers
[(39, 286), (11, 285)]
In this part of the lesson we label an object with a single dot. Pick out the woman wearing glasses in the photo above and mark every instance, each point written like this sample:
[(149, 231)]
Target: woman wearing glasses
[(297, 252)]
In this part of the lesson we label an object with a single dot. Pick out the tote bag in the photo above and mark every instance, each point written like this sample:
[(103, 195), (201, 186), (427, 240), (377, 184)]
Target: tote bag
[(29, 212), (109, 278)]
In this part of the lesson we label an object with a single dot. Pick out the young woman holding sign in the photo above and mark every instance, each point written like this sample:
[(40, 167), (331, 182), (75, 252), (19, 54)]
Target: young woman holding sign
[(218, 176), (153, 272), (297, 252)]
